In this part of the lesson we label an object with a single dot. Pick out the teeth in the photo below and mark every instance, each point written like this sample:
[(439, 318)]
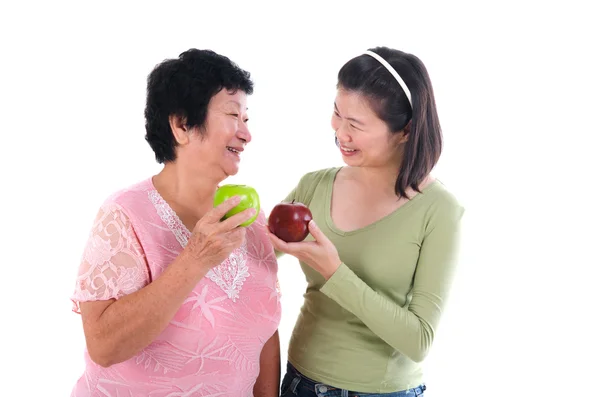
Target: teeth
[(348, 150), (232, 150)]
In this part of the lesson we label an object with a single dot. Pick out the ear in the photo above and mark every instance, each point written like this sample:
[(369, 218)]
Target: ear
[(179, 129), (404, 134)]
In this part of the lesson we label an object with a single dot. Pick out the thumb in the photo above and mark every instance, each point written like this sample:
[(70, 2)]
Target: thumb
[(316, 232)]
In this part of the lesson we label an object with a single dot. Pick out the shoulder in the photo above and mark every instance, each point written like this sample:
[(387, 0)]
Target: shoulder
[(314, 178), (131, 194), (443, 196), (308, 184), (126, 200), (442, 204)]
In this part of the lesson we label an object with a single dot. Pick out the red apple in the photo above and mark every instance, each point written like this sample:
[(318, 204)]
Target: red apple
[(289, 221)]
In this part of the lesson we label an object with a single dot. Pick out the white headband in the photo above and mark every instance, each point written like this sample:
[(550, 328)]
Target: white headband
[(393, 72)]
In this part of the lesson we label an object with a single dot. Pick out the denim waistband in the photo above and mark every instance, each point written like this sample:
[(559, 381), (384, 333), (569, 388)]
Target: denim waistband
[(314, 385)]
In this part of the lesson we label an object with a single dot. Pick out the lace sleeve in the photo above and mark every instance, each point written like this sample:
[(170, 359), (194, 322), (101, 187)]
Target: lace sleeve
[(113, 263)]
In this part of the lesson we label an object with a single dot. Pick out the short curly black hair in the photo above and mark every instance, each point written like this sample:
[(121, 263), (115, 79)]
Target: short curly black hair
[(184, 87)]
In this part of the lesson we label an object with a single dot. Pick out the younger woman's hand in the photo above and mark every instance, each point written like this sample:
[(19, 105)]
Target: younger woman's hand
[(320, 254)]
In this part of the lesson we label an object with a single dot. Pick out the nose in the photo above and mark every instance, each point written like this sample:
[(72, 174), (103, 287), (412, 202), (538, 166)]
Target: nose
[(342, 133), (243, 133)]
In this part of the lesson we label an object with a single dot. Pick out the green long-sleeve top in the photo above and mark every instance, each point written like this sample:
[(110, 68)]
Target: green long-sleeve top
[(369, 327)]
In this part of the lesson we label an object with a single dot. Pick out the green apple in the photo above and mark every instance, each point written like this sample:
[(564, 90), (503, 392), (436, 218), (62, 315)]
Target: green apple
[(249, 199)]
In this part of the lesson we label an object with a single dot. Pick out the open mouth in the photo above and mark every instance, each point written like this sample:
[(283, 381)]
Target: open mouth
[(234, 150), (347, 150)]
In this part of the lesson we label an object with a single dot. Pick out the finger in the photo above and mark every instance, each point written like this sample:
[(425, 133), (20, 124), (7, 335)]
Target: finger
[(316, 232), (236, 236), (217, 213), (301, 248), (295, 249), (236, 220), (277, 243), (237, 233)]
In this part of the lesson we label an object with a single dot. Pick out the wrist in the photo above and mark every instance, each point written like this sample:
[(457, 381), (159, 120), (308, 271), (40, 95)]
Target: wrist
[(330, 270), (192, 265)]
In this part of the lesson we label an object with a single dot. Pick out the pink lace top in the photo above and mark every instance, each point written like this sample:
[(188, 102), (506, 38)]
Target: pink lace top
[(212, 345)]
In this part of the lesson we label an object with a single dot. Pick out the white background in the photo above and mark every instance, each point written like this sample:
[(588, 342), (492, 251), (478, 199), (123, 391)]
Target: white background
[(517, 92)]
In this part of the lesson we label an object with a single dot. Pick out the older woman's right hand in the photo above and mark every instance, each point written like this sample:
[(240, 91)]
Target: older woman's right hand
[(213, 240)]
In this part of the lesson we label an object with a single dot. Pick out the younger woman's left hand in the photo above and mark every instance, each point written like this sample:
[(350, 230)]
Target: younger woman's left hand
[(320, 254)]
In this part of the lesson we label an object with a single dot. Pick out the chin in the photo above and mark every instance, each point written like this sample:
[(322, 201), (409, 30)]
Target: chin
[(231, 171), (351, 162)]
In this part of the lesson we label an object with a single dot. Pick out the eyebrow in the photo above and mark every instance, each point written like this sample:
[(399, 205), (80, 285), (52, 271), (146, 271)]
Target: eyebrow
[(348, 118), (236, 102)]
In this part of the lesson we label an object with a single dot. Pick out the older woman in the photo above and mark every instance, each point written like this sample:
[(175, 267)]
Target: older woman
[(174, 301)]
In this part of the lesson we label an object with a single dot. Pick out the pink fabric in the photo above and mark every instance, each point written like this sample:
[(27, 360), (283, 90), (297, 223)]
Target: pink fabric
[(212, 345)]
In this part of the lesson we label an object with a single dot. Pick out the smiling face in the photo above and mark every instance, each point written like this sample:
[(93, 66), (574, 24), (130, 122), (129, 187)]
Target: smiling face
[(364, 139), (216, 150)]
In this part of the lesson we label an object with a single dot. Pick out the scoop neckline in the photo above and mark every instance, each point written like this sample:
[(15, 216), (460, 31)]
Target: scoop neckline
[(171, 212), (397, 212)]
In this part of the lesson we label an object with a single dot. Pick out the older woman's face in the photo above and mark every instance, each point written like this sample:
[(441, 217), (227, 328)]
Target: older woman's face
[(224, 136)]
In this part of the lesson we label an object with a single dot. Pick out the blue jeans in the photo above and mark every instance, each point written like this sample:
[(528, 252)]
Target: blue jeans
[(295, 384)]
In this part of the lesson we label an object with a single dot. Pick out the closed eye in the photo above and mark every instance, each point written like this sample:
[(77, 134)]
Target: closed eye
[(335, 112)]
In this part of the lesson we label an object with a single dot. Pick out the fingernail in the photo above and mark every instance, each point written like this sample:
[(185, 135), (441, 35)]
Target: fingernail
[(252, 211)]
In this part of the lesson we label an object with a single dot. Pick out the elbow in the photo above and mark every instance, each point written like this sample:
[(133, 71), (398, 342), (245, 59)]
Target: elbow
[(102, 360), (101, 354), (419, 350), (415, 352), (105, 363)]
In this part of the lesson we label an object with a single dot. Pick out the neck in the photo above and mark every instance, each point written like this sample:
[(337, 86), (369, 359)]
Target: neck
[(190, 194), (378, 178)]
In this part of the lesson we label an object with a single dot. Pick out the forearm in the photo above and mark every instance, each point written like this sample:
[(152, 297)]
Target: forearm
[(408, 329), (267, 384), (131, 323), (397, 326)]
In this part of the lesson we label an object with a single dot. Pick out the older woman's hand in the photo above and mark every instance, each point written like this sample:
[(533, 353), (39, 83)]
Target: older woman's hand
[(213, 240), (320, 254)]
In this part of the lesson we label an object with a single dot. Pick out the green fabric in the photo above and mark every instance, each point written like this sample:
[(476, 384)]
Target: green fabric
[(369, 327)]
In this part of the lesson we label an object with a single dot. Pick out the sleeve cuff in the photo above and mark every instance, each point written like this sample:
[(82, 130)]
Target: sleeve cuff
[(342, 277)]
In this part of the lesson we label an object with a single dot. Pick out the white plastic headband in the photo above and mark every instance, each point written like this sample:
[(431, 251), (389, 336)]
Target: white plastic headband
[(393, 72)]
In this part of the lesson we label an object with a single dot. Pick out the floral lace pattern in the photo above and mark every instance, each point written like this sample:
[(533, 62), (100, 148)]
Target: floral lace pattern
[(229, 275), (113, 261), (169, 217)]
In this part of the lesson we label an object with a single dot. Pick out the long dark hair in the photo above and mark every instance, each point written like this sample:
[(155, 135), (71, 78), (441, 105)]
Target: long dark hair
[(367, 76)]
